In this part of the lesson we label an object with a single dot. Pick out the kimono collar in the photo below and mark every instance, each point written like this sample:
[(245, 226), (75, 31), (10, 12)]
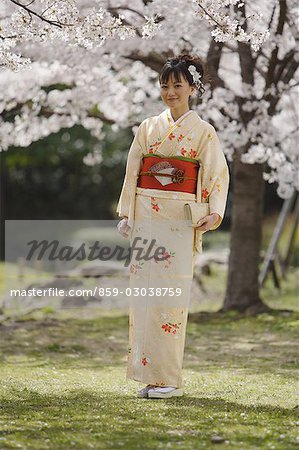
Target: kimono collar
[(166, 122), (170, 118)]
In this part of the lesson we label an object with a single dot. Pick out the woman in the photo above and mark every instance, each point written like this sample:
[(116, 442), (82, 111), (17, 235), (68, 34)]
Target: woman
[(175, 158)]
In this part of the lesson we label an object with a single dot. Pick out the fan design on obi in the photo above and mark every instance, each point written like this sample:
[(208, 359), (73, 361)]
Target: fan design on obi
[(165, 173)]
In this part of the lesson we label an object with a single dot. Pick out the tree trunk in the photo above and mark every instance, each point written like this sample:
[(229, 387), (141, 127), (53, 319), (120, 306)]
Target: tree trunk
[(2, 205), (242, 292)]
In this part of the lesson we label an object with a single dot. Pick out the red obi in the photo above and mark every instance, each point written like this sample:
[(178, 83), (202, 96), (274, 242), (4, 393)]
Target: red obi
[(169, 174)]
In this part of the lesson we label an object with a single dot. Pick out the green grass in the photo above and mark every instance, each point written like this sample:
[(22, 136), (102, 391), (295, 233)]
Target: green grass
[(63, 385)]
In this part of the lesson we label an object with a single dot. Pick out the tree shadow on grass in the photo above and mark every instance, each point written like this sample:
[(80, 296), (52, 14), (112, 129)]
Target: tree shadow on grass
[(212, 342), (119, 419)]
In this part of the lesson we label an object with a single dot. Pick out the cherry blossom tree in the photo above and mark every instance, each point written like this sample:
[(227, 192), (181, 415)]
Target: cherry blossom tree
[(255, 112), (95, 62)]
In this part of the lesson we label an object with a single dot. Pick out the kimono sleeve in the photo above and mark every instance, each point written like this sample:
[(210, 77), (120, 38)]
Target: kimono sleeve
[(214, 182), (127, 195)]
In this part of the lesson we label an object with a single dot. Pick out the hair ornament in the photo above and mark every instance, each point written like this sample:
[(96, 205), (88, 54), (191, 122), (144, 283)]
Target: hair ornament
[(196, 77)]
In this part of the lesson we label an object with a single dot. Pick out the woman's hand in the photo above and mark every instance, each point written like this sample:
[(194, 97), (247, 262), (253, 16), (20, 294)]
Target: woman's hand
[(123, 227), (207, 222)]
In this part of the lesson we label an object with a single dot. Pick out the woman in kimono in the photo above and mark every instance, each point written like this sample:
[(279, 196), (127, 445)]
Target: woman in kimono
[(174, 158)]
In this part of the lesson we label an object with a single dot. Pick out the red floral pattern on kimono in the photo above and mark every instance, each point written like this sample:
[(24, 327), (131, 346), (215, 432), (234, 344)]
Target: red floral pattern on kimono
[(165, 258), (135, 267), (153, 147), (205, 193), (171, 323), (145, 360), (171, 327), (188, 153), (192, 153), (154, 204)]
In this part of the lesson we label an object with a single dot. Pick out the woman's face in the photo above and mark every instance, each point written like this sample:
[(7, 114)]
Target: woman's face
[(176, 94)]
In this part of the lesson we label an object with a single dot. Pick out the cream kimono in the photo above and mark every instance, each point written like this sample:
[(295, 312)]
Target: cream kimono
[(159, 310)]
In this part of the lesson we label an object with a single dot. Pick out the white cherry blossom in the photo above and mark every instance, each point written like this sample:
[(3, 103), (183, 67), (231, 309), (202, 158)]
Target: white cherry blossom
[(90, 62)]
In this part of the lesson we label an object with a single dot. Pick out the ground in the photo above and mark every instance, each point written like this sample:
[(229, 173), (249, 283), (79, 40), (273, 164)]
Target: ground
[(62, 380), (63, 386)]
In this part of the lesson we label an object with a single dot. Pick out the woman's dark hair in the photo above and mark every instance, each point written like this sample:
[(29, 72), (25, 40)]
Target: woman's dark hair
[(178, 65)]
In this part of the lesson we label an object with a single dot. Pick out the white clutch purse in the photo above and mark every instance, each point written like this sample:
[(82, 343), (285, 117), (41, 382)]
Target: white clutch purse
[(195, 211)]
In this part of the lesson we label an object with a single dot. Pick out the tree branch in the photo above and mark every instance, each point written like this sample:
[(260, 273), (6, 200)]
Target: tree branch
[(40, 16), (247, 63), (114, 13), (213, 63), (260, 52), (279, 31), (153, 60), (283, 64), (219, 25)]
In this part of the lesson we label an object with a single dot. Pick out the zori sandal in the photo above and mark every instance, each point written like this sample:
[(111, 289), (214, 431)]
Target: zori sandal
[(144, 391), (165, 392)]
